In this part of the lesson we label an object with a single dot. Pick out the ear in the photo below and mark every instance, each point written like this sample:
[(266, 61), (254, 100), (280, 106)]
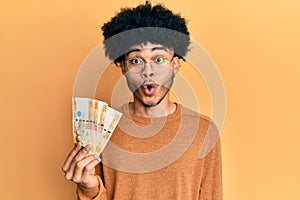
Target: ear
[(122, 66), (176, 65)]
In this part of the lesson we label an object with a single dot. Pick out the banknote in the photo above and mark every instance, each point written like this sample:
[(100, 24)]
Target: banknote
[(93, 122)]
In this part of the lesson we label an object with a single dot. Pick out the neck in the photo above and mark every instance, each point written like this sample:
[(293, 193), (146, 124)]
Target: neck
[(164, 108)]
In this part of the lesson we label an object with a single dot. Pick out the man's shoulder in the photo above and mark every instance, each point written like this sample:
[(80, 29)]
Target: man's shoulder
[(193, 115)]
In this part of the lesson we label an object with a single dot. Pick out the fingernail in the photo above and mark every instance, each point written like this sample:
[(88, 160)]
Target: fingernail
[(88, 147), (97, 157), (78, 144)]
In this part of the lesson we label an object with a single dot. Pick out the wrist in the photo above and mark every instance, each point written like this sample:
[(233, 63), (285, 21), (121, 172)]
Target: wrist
[(90, 192)]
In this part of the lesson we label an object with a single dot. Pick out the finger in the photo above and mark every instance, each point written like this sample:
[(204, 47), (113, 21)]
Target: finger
[(80, 166), (88, 176), (90, 167), (70, 156), (80, 155)]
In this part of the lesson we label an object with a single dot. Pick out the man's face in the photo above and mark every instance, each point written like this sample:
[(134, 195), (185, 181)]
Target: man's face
[(149, 70)]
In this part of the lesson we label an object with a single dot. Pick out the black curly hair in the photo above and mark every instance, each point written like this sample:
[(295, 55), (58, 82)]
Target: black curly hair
[(142, 24)]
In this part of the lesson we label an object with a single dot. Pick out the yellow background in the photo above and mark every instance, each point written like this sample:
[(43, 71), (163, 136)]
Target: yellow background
[(255, 45)]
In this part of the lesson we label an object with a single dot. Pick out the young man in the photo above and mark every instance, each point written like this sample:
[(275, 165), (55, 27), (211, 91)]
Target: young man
[(154, 152)]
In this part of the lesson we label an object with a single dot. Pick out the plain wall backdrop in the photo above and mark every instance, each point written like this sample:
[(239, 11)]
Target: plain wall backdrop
[(255, 45)]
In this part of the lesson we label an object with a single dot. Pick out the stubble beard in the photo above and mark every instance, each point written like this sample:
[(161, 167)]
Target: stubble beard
[(165, 88), (151, 103)]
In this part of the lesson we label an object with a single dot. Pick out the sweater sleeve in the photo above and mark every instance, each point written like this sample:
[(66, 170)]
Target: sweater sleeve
[(211, 183)]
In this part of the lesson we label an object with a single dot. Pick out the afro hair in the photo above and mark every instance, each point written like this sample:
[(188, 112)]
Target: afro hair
[(142, 24)]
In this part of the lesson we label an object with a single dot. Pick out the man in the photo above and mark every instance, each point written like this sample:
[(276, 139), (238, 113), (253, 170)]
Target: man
[(154, 152)]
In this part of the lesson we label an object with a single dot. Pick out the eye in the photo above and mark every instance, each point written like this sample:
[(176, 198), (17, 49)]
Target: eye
[(136, 61), (160, 60)]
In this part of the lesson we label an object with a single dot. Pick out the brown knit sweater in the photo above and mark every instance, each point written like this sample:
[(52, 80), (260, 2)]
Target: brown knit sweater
[(164, 159)]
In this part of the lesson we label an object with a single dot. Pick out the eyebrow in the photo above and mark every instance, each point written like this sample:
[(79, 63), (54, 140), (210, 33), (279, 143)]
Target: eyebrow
[(152, 49)]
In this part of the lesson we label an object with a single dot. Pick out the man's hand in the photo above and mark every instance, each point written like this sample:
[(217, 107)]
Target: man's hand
[(79, 167)]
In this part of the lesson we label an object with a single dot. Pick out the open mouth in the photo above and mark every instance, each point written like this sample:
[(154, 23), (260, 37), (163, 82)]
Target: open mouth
[(149, 88)]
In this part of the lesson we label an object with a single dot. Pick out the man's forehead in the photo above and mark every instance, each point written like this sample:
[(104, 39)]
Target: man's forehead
[(147, 47)]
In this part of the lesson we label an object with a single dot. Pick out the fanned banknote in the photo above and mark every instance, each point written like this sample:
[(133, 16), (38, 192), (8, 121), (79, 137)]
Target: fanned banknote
[(93, 123)]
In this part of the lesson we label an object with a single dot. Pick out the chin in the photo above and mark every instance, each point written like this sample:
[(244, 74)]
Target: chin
[(151, 102), (148, 103)]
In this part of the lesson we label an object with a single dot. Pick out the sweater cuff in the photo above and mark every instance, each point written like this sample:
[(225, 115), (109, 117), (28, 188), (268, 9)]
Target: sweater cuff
[(92, 193)]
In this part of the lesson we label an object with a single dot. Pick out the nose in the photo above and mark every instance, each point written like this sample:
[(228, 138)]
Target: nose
[(147, 71)]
